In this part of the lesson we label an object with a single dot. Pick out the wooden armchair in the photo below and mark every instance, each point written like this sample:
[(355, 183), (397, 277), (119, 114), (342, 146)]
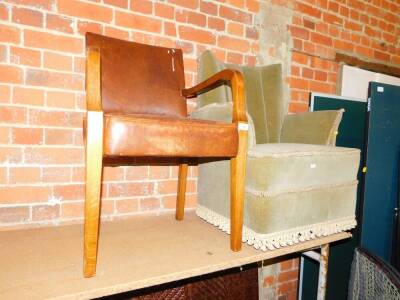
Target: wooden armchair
[(136, 107)]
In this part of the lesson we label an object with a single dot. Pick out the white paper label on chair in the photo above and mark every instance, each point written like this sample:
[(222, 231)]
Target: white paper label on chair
[(243, 126)]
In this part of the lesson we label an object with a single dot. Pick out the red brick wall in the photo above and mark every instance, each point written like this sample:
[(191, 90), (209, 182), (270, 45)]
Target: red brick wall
[(42, 98), (368, 30), (279, 280)]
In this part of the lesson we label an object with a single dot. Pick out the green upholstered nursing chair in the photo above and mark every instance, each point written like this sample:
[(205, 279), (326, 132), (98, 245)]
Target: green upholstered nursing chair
[(298, 184)]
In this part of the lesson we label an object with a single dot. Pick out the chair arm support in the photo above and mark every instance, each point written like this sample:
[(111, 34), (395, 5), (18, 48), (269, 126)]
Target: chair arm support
[(93, 80), (318, 127), (230, 77)]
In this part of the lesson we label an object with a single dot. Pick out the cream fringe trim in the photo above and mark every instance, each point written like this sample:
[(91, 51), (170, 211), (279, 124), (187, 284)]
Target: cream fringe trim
[(279, 239)]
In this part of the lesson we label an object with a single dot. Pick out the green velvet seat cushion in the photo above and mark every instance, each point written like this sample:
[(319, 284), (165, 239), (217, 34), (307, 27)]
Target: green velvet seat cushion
[(294, 192), (264, 214), (277, 167), (290, 217)]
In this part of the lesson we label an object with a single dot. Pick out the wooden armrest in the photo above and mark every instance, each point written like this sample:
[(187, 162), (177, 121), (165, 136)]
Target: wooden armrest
[(93, 80), (230, 77)]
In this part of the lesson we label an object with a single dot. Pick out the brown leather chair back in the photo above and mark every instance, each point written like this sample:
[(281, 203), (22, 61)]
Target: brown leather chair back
[(140, 79)]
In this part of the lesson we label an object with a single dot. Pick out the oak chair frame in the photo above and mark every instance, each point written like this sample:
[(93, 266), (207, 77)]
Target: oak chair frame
[(94, 155)]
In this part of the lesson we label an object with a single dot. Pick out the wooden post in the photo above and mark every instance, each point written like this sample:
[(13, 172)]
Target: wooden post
[(181, 197), (94, 167), (238, 178)]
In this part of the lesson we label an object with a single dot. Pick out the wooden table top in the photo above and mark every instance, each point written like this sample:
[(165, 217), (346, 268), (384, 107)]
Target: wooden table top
[(134, 253)]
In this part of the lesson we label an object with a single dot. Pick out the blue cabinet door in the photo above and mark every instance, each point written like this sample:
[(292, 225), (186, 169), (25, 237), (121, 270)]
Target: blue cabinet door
[(351, 134), (382, 169)]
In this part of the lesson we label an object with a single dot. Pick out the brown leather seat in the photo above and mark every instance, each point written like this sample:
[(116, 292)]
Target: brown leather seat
[(145, 135), (136, 106)]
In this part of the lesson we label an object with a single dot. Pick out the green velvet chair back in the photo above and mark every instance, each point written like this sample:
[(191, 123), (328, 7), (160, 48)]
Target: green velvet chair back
[(264, 99)]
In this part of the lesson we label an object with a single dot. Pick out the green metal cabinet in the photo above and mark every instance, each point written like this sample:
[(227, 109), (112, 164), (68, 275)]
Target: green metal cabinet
[(373, 127), (350, 134), (381, 180)]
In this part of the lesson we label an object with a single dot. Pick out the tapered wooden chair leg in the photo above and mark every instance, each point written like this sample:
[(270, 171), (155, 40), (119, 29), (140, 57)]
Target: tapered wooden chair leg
[(180, 201), (94, 166), (238, 175)]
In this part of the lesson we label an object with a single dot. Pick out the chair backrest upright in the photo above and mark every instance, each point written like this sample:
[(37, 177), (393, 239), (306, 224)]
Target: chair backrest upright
[(263, 90), (140, 79)]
